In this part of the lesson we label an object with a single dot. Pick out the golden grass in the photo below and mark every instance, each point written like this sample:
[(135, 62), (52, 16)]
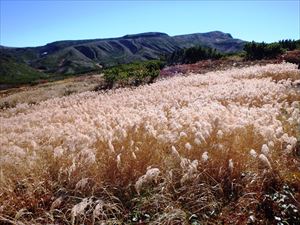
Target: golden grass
[(230, 187), (30, 192)]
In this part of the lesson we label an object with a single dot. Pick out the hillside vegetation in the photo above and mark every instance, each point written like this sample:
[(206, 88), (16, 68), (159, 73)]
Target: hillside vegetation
[(13, 72), (258, 51), (132, 74), (214, 148), (193, 55), (73, 57), (63, 58)]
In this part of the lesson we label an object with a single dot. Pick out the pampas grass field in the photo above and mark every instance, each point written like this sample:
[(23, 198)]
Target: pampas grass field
[(215, 148)]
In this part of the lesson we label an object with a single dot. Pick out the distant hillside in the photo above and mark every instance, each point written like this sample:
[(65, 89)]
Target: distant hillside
[(14, 72), (71, 57)]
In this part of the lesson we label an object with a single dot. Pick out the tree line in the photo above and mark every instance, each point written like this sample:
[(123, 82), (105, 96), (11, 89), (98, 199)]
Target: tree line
[(262, 50), (192, 55), (252, 51)]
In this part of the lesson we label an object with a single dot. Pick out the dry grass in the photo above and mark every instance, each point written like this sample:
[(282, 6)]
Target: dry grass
[(138, 174), (292, 76), (42, 92)]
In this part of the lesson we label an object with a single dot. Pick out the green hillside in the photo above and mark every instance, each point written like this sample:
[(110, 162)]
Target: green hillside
[(73, 57), (14, 72)]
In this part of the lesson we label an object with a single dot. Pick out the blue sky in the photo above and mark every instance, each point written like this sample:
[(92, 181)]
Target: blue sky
[(32, 23)]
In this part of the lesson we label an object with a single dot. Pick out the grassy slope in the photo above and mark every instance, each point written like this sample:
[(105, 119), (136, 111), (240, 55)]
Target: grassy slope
[(52, 182), (13, 72)]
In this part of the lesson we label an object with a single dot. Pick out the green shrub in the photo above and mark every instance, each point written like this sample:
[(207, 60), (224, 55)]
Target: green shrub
[(137, 72)]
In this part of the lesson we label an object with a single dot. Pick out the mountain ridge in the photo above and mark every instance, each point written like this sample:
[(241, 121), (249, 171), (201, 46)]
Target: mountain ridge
[(79, 56)]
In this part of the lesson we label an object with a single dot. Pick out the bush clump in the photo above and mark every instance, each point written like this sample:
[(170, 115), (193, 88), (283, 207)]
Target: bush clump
[(132, 74)]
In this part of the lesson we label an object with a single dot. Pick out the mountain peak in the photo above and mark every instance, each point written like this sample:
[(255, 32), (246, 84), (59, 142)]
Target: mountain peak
[(217, 34), (147, 34)]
